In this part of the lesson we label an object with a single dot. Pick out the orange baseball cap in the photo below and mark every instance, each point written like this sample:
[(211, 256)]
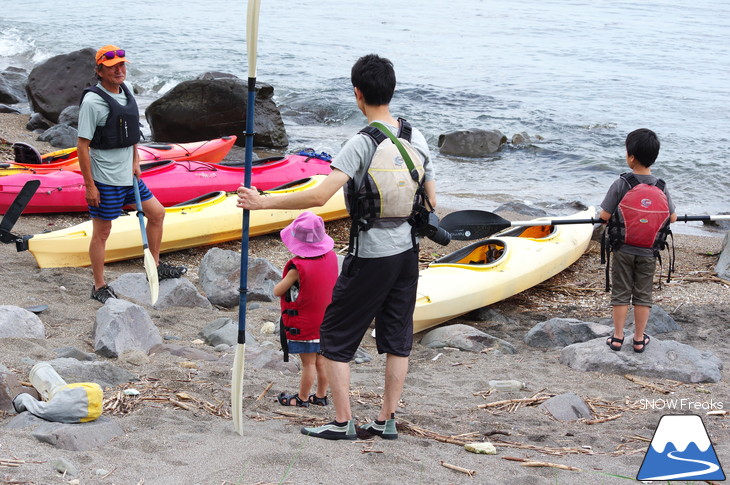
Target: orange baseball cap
[(110, 55)]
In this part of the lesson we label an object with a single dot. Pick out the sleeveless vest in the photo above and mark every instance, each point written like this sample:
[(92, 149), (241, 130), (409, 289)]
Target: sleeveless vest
[(122, 125), (317, 276)]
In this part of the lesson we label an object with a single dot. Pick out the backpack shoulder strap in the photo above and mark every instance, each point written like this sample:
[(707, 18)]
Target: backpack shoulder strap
[(660, 184), (630, 179), (374, 134), (405, 130)]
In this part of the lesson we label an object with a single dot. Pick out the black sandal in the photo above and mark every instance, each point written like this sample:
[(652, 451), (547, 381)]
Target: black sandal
[(643, 342), (612, 340), (318, 401), (285, 400)]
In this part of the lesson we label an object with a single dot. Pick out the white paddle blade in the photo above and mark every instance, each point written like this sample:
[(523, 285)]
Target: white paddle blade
[(252, 34), (237, 389), (150, 268)]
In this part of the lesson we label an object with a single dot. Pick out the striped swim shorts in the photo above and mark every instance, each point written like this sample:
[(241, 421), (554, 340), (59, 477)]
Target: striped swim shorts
[(114, 197)]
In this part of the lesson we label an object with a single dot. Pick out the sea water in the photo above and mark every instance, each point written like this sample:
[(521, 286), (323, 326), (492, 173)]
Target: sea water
[(575, 76)]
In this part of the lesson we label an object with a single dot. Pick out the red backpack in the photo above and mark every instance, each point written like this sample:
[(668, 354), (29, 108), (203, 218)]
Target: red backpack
[(641, 220)]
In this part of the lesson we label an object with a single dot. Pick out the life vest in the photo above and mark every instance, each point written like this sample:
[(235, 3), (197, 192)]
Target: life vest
[(389, 189), (640, 220), (122, 125), (301, 317)]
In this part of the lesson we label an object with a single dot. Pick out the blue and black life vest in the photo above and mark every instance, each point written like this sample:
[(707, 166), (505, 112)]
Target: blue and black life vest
[(122, 125)]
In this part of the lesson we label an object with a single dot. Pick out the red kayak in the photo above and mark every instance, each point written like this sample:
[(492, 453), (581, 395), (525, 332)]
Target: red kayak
[(211, 151), (170, 181)]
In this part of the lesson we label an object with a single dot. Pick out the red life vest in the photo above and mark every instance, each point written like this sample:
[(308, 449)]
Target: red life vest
[(317, 276)]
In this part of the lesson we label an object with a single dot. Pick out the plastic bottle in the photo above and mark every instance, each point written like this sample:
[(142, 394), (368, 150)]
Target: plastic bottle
[(509, 385), (46, 380)]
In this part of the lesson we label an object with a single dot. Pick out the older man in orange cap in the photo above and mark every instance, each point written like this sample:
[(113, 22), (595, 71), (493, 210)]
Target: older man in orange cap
[(107, 147)]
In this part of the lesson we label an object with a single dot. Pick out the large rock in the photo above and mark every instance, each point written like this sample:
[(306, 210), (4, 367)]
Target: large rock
[(60, 136), (58, 82), (220, 275), (723, 264), (210, 108), (121, 326), (173, 292), (663, 359), (12, 86), (474, 142), (80, 436), (16, 322), (103, 373), (561, 332), (464, 337)]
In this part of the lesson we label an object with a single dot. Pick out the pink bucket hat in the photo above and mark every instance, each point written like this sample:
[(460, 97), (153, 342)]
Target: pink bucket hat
[(305, 236)]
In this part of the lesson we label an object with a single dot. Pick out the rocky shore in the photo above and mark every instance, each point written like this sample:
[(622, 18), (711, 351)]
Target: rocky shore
[(584, 415)]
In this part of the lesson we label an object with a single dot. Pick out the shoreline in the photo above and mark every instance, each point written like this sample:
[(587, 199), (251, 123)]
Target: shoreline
[(442, 404)]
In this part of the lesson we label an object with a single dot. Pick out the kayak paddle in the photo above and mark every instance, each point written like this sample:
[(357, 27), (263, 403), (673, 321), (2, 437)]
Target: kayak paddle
[(150, 265), (468, 225), (252, 30), (15, 210)]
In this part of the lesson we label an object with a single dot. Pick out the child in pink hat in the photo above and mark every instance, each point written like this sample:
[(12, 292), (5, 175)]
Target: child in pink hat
[(306, 290)]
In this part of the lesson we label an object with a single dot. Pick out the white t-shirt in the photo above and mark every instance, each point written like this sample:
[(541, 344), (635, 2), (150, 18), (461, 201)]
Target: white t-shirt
[(354, 160)]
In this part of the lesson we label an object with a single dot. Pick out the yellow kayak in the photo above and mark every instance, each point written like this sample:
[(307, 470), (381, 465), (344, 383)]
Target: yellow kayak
[(494, 269), (214, 219)]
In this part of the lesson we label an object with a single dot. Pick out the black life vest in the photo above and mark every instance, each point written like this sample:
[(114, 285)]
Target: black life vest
[(122, 125)]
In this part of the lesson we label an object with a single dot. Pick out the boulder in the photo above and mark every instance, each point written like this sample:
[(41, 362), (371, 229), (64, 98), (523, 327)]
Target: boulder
[(70, 116), (122, 325), (79, 436), (173, 292), (663, 359), (12, 86), (567, 407), (474, 142), (561, 332), (58, 82), (60, 136), (38, 122), (16, 322), (220, 274), (103, 373), (464, 337), (210, 108)]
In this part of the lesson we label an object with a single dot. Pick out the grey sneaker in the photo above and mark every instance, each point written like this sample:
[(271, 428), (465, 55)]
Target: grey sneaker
[(102, 294), (333, 431), (385, 429)]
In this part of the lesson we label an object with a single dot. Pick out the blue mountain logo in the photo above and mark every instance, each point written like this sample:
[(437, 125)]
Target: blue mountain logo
[(680, 450)]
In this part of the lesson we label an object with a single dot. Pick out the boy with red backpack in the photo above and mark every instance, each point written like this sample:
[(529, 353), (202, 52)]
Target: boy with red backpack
[(638, 209)]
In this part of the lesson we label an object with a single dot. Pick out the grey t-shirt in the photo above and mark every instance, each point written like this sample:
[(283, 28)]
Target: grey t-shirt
[(354, 160), (614, 195), (113, 166)]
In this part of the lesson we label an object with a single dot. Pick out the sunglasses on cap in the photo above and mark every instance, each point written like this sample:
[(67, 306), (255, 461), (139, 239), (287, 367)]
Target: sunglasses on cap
[(112, 54)]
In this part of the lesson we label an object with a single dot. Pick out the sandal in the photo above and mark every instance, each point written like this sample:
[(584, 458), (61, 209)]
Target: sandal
[(318, 401), (285, 400), (610, 341), (643, 342)]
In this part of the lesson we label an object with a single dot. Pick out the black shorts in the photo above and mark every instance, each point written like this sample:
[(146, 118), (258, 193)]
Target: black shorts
[(383, 289)]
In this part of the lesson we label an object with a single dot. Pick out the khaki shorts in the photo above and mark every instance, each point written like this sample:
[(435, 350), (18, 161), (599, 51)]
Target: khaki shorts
[(632, 279)]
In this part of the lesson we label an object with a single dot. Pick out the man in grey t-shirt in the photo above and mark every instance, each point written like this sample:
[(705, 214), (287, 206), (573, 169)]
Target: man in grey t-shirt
[(108, 159), (382, 282)]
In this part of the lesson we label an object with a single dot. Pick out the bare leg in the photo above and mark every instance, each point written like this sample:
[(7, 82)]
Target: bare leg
[(309, 371), (338, 374), (97, 249), (322, 381), (641, 318), (396, 369), (619, 320), (155, 214)]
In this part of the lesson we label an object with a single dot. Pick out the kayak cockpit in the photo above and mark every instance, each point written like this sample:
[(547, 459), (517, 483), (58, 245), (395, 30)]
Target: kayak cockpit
[(492, 251)]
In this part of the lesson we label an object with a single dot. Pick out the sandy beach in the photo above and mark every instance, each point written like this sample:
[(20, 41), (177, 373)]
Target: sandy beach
[(442, 407)]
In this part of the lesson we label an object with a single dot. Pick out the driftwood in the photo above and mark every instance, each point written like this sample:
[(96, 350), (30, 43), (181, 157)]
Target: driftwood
[(526, 462), (459, 469)]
